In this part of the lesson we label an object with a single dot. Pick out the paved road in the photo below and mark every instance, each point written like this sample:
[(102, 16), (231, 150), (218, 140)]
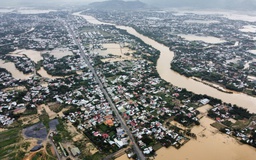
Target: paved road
[(135, 147), (55, 149)]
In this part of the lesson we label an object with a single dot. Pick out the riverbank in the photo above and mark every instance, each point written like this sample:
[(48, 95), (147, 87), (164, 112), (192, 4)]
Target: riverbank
[(216, 86)]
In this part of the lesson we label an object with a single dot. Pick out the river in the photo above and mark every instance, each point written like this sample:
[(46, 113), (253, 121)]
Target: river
[(163, 68)]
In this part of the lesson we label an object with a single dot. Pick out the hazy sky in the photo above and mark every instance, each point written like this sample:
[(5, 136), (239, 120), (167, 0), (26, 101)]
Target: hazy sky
[(222, 4)]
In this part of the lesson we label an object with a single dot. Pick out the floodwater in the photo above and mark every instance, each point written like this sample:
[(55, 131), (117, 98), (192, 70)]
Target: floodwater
[(33, 55), (210, 145), (233, 15), (91, 19), (252, 51), (238, 16), (33, 11), (206, 39), (248, 28), (9, 66), (60, 52), (115, 49), (253, 78), (36, 56), (44, 74), (163, 68)]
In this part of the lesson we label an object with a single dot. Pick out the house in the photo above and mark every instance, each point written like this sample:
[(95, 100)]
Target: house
[(204, 101), (75, 151), (109, 120), (105, 135), (119, 144), (120, 132)]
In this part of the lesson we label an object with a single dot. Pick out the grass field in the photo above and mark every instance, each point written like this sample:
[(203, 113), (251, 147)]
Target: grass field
[(9, 144), (217, 125)]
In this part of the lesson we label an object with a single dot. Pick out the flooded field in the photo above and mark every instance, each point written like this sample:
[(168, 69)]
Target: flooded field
[(60, 52), (116, 50), (252, 78), (113, 48), (233, 15), (248, 28), (44, 74), (252, 51), (206, 39), (210, 145), (34, 11), (9, 66), (33, 55)]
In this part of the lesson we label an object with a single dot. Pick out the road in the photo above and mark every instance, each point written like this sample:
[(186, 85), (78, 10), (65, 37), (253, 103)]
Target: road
[(135, 147), (55, 149)]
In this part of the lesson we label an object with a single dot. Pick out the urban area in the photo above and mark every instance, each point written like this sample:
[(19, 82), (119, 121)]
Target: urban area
[(71, 89)]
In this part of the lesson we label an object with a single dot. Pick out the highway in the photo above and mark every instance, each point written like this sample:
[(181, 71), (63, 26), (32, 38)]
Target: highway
[(135, 147)]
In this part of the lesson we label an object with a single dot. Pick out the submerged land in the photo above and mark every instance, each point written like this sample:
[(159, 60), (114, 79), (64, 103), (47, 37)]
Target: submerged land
[(76, 87)]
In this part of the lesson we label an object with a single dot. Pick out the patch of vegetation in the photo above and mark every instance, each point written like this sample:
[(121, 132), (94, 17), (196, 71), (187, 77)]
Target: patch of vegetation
[(240, 124), (44, 117), (56, 107), (8, 144), (39, 65), (63, 133), (25, 145), (48, 149), (218, 125), (9, 137), (157, 146), (29, 111)]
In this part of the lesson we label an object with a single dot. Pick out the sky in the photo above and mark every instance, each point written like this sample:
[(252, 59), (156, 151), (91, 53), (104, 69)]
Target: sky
[(216, 4)]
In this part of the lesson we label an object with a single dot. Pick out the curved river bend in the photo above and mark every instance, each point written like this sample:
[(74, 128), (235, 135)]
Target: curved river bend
[(163, 68)]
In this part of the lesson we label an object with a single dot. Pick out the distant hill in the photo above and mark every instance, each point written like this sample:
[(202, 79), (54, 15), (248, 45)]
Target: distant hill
[(118, 5)]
